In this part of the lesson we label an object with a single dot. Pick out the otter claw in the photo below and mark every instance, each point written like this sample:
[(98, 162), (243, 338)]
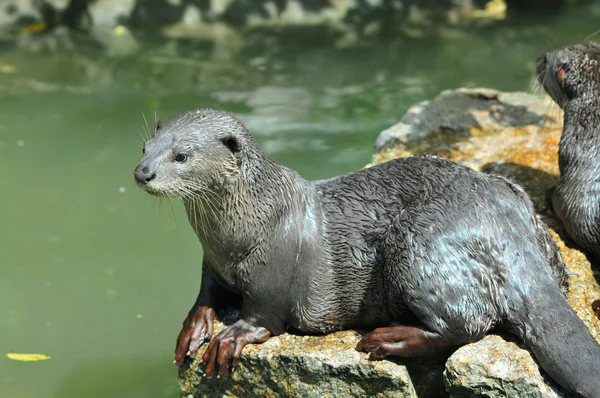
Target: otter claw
[(194, 332), (223, 353)]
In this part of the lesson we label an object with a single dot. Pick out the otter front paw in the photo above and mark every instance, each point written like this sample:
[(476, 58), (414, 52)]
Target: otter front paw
[(223, 353), (197, 328)]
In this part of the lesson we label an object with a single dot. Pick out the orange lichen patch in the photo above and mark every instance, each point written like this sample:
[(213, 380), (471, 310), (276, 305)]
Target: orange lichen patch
[(539, 151)]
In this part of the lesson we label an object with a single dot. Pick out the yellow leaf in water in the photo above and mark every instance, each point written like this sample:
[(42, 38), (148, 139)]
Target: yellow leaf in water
[(27, 357)]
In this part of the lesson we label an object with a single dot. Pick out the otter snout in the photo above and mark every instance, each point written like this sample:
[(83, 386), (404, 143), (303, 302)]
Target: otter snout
[(143, 174)]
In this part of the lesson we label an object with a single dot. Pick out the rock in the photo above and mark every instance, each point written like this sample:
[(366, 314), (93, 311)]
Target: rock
[(308, 366), (494, 367), (513, 134), (455, 115)]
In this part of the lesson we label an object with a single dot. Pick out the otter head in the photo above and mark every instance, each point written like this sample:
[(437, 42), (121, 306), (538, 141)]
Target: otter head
[(570, 72), (195, 155)]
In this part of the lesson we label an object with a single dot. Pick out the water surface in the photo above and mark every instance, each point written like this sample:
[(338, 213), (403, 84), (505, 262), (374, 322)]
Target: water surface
[(100, 275)]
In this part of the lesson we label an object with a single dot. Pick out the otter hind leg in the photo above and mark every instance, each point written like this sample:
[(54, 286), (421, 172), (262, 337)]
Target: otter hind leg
[(401, 341)]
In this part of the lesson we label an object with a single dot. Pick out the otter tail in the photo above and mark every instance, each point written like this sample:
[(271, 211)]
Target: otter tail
[(560, 341)]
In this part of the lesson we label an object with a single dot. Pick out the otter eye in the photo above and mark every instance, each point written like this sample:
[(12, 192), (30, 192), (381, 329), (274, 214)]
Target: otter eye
[(181, 157), (560, 75)]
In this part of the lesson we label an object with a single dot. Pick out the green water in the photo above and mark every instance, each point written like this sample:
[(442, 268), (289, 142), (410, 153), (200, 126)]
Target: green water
[(98, 274)]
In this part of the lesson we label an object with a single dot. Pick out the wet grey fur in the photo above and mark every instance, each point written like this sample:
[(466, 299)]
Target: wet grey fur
[(576, 198), (414, 239)]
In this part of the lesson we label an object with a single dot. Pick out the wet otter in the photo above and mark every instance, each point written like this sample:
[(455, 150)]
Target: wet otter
[(571, 76), (414, 239)]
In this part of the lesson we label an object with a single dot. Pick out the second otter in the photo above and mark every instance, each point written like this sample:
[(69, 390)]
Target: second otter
[(417, 240), (571, 76)]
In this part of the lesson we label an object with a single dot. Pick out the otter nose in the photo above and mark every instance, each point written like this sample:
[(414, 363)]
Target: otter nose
[(143, 175)]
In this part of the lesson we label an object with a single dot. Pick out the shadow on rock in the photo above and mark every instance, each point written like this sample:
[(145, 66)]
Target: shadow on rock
[(427, 374)]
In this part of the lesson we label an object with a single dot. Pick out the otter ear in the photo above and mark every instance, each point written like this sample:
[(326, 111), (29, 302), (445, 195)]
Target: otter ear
[(560, 75), (232, 143), (158, 125)]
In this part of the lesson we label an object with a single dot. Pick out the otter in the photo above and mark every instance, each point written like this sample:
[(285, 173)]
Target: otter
[(426, 253), (571, 76)]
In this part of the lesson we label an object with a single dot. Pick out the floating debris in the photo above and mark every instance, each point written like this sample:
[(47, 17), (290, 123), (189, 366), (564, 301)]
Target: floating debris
[(27, 357)]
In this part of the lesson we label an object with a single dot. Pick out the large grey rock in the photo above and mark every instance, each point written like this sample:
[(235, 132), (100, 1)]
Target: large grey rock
[(456, 113)]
